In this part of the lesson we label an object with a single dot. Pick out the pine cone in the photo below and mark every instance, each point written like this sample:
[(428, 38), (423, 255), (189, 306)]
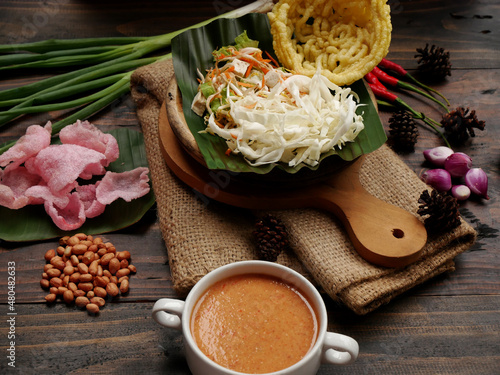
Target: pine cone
[(271, 237), (460, 123), (403, 132), (442, 211), (434, 63)]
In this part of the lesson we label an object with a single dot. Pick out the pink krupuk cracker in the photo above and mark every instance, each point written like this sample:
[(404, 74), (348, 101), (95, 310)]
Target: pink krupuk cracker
[(61, 165), (70, 217), (31, 143), (126, 185), (83, 133), (13, 186), (92, 206)]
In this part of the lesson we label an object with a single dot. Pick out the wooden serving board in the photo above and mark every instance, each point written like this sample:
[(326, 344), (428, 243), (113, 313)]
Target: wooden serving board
[(381, 233)]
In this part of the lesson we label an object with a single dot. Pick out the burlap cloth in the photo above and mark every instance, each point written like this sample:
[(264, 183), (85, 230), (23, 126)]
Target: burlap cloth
[(202, 236)]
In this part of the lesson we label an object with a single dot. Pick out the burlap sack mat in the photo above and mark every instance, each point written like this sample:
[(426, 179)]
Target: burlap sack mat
[(202, 236)]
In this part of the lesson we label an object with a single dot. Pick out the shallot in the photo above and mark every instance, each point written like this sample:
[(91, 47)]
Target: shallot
[(439, 179), (461, 192), (438, 155), (458, 164), (477, 181)]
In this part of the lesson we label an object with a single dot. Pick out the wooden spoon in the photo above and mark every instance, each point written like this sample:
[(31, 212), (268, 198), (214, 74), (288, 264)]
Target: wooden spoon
[(381, 233)]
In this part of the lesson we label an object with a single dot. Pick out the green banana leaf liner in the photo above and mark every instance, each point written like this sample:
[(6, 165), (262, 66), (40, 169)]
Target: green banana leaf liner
[(32, 223), (192, 50)]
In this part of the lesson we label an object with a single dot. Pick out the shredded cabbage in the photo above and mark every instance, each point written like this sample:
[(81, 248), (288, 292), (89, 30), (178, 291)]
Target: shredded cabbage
[(270, 115)]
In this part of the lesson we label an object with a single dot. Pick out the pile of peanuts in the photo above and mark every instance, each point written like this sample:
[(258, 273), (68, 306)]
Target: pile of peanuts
[(87, 271)]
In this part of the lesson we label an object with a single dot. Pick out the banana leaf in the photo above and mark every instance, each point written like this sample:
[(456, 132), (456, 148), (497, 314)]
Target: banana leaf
[(192, 50), (32, 223)]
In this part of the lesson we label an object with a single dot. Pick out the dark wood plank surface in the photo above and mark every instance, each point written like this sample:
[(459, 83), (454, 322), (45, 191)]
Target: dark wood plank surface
[(449, 325)]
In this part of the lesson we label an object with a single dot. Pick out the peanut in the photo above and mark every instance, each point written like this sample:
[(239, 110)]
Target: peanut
[(58, 263), (98, 301), (56, 281), (100, 292), (68, 296), (67, 251), (69, 270), (106, 273), (106, 258), (50, 297), (79, 249), (114, 265), (85, 278), (122, 272), (47, 267), (93, 267), (92, 308), (63, 240), (124, 286), (100, 281), (60, 251), (74, 260), (79, 293), (112, 289), (45, 284), (82, 268), (132, 268), (121, 255), (85, 286), (88, 257), (72, 287), (85, 270), (50, 254), (81, 301), (73, 240), (75, 277)]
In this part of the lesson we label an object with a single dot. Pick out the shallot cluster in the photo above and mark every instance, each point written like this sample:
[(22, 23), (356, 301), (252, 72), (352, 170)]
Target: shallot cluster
[(454, 172)]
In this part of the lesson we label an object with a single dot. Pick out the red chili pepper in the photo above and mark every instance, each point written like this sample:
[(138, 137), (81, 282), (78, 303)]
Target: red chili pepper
[(390, 65), (384, 77), (372, 79), (394, 82), (382, 93), (393, 66)]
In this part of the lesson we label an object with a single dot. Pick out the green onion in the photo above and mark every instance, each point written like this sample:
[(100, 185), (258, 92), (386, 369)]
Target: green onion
[(104, 64)]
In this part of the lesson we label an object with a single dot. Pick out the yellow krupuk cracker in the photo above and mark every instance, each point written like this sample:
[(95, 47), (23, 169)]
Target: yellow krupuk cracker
[(347, 39)]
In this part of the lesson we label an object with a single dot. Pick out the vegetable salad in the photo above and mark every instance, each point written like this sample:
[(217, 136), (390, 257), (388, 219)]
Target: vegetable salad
[(269, 114)]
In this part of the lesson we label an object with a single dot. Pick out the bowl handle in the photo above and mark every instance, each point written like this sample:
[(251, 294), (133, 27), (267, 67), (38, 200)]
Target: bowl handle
[(168, 312), (339, 349)]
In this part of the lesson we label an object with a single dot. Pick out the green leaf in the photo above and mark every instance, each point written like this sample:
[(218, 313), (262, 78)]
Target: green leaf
[(32, 223), (192, 50)]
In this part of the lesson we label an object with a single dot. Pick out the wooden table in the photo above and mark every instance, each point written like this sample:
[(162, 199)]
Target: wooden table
[(449, 325)]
